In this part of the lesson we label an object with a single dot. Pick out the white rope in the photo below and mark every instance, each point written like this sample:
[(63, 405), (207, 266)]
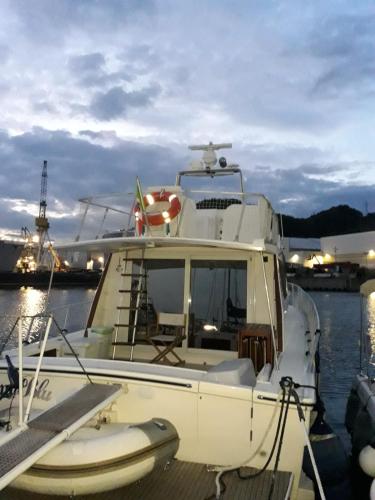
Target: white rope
[(312, 458), (246, 462)]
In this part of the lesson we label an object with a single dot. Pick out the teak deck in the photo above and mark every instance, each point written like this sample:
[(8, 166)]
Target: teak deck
[(183, 481)]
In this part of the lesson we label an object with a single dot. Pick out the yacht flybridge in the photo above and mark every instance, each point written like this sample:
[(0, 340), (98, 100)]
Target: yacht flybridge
[(210, 354)]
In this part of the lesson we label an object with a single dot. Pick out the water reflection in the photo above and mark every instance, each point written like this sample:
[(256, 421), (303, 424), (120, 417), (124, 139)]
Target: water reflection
[(32, 301)]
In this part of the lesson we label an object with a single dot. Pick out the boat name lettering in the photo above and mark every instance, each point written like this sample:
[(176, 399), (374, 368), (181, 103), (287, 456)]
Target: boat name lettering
[(41, 391)]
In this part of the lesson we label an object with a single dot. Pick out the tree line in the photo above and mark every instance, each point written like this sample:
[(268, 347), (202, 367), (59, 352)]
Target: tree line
[(336, 220)]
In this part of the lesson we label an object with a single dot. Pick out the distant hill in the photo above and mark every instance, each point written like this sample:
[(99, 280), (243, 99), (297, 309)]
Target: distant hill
[(336, 220)]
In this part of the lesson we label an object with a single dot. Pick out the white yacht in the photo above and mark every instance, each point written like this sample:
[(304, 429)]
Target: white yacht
[(196, 349)]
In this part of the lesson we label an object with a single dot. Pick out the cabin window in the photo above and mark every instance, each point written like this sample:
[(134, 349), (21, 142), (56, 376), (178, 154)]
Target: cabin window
[(217, 303), (164, 285)]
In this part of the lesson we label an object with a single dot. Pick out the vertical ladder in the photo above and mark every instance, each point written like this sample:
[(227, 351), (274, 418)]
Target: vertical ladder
[(132, 309)]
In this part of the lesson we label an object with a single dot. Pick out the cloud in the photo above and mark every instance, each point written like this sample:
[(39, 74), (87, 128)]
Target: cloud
[(347, 44), (55, 20), (87, 63), (90, 70), (116, 102)]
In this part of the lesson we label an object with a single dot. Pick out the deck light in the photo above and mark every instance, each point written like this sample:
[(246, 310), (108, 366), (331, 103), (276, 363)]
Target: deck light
[(210, 328), (295, 258)]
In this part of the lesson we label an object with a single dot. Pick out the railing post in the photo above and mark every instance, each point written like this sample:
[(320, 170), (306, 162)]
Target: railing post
[(36, 375)]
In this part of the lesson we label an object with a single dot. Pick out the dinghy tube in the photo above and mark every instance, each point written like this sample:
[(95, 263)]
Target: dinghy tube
[(94, 459)]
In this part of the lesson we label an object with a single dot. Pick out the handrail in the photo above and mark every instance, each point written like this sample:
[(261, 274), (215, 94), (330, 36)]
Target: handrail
[(122, 204), (299, 298)]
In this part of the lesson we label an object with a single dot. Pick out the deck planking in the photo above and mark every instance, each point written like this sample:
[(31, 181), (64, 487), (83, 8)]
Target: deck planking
[(182, 481)]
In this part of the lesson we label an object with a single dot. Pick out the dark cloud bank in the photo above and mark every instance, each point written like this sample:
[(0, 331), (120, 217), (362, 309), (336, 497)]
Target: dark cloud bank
[(80, 166)]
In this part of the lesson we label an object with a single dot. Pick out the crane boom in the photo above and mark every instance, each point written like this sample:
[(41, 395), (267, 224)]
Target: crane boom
[(41, 222), (43, 191)]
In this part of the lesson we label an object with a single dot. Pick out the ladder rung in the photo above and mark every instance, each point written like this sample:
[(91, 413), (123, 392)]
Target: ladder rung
[(130, 308), (132, 291), (124, 343), (134, 275)]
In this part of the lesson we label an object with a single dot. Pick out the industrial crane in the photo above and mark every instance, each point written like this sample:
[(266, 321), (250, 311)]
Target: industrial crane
[(41, 222)]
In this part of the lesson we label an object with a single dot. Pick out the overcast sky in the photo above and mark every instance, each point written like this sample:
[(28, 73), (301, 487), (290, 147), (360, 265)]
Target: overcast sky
[(105, 90)]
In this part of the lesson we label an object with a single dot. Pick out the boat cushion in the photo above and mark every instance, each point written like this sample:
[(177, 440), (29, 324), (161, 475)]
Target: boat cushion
[(233, 372)]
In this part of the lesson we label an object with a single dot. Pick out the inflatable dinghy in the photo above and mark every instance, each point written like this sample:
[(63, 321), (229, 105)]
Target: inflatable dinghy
[(95, 459)]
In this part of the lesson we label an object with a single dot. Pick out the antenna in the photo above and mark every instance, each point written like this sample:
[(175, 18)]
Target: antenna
[(209, 156)]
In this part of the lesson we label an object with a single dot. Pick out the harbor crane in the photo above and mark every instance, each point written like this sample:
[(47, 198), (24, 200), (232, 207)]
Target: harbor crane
[(41, 222)]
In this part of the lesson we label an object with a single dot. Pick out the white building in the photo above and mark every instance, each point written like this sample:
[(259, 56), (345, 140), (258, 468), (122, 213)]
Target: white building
[(358, 248), (303, 251)]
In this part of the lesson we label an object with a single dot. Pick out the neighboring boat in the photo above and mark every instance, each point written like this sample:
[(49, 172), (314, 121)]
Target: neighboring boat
[(360, 410), (193, 318)]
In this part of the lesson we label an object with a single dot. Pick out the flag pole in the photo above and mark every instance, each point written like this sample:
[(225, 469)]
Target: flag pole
[(139, 197)]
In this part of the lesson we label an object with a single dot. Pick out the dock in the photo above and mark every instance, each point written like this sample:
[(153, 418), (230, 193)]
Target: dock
[(183, 481)]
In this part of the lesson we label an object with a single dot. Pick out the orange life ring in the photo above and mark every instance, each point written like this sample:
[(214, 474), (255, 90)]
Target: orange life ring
[(157, 218)]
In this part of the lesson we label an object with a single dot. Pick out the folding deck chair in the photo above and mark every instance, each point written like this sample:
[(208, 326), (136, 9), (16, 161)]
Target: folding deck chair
[(172, 327)]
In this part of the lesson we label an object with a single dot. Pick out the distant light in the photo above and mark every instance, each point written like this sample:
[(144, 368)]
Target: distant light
[(295, 258), (101, 260), (371, 253), (150, 199), (35, 238), (210, 328)]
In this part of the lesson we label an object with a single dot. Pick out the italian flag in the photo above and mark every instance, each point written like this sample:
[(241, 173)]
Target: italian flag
[(139, 196)]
